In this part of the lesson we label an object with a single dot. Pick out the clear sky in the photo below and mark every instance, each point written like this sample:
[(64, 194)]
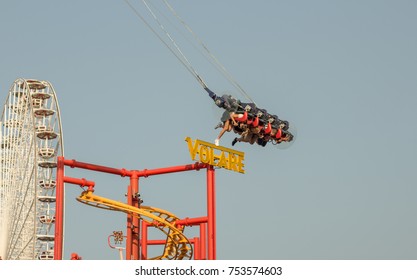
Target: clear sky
[(344, 73)]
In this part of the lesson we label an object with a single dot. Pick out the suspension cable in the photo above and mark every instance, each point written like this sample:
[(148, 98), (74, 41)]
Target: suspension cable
[(180, 56), (216, 61), (175, 49)]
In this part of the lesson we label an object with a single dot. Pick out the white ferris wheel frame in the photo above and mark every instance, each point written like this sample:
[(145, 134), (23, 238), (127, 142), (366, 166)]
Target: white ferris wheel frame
[(31, 139)]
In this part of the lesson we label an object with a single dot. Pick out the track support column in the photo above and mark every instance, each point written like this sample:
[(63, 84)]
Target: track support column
[(59, 210), (211, 213), (133, 225)]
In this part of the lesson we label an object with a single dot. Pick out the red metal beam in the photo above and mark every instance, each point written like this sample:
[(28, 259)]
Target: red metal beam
[(94, 167), (59, 210), (157, 242), (150, 172), (80, 182), (143, 173), (191, 221), (211, 213)]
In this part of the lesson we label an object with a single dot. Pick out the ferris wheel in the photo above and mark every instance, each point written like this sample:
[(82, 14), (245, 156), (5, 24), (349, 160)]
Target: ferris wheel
[(30, 141)]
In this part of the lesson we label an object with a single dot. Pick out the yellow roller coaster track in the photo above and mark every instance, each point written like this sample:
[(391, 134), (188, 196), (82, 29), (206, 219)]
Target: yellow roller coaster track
[(177, 246)]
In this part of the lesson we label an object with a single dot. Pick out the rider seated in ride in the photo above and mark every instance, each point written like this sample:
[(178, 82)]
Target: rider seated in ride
[(255, 125), (231, 106), (277, 135), (250, 135), (229, 122)]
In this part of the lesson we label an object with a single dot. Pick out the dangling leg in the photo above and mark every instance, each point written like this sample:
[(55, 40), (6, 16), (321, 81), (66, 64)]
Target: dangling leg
[(246, 137), (219, 125), (253, 139), (227, 127)]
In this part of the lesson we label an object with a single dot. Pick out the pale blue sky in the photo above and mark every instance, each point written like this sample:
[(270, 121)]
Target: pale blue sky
[(343, 72)]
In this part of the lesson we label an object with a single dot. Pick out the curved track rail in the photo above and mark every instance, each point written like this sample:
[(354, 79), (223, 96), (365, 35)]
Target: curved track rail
[(177, 246)]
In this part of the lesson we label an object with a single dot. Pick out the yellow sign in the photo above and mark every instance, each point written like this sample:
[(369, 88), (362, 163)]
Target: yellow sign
[(225, 158)]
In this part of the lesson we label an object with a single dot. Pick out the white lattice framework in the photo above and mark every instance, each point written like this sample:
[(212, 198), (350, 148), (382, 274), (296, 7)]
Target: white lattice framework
[(30, 141)]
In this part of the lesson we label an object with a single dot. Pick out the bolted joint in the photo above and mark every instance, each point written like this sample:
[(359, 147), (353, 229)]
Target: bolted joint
[(136, 196)]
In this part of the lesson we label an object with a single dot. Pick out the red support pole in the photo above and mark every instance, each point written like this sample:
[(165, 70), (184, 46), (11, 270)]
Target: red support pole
[(203, 242), (213, 180), (129, 224), (59, 210), (211, 213), (134, 183), (144, 241), (196, 248)]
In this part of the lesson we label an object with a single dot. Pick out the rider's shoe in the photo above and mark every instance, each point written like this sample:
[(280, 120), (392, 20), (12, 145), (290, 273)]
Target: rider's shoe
[(220, 124)]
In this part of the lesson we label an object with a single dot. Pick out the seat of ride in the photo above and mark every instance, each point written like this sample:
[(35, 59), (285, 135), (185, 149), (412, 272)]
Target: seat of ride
[(47, 184), (44, 132), (46, 152), (43, 112), (35, 84), (242, 117), (46, 255), (47, 164), (45, 198), (37, 103), (41, 95), (46, 219), (47, 238), (267, 128)]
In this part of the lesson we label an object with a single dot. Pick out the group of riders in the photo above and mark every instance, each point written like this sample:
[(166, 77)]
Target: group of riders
[(253, 124)]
